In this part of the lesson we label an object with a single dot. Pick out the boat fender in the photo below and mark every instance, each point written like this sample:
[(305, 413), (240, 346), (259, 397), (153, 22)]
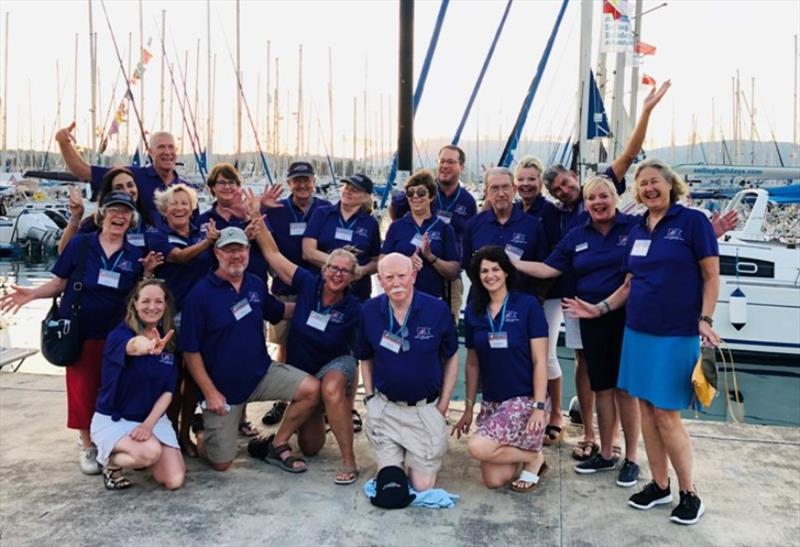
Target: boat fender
[(737, 309)]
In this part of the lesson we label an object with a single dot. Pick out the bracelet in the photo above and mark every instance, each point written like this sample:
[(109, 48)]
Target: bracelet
[(469, 402), (707, 319), (605, 304), (433, 261)]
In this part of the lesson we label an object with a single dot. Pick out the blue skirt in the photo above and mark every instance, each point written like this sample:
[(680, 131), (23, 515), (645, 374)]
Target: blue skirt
[(658, 369)]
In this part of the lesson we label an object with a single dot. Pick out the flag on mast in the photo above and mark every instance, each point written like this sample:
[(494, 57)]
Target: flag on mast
[(617, 31), (648, 80)]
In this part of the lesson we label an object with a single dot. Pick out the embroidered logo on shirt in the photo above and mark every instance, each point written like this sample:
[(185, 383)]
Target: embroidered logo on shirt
[(460, 210), (434, 236), (253, 297), (518, 237), (337, 317), (622, 241), (363, 232), (511, 316), (675, 234), (424, 333), (167, 359), (125, 265)]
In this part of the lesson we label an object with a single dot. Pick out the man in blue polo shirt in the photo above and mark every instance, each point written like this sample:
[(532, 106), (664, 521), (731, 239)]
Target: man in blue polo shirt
[(161, 148), (454, 205), (222, 337), (407, 344)]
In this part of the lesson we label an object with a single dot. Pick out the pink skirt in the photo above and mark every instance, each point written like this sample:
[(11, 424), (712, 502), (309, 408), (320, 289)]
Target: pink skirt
[(506, 423)]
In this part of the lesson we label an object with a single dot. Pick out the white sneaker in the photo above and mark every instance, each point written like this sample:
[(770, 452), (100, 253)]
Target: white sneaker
[(88, 461)]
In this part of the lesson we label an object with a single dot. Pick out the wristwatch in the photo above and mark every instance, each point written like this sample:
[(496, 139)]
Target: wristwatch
[(707, 319), (538, 405)]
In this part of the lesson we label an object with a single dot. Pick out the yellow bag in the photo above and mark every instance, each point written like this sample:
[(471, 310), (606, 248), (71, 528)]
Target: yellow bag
[(703, 390)]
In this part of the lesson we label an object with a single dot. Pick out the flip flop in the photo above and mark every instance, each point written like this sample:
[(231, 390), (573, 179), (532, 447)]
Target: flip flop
[(527, 480), (580, 451), (550, 438), (352, 471)]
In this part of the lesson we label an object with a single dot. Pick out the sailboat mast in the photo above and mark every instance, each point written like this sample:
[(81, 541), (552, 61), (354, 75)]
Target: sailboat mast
[(298, 149), (128, 123), (637, 35), (355, 128), (208, 68), (330, 102), (752, 120), (93, 79), (268, 127), (5, 89), (276, 112), (795, 62), (141, 78), (583, 85), (163, 60), (197, 95), (74, 84), (238, 92)]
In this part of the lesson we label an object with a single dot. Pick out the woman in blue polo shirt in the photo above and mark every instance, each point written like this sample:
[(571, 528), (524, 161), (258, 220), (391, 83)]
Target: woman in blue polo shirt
[(506, 336), (671, 290), (117, 179), (429, 242), (320, 342), (187, 259), (139, 378), (348, 224), (111, 267), (593, 253)]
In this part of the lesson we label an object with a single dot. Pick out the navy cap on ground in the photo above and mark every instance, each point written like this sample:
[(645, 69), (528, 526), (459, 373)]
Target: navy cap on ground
[(391, 489), (360, 181), (300, 169)]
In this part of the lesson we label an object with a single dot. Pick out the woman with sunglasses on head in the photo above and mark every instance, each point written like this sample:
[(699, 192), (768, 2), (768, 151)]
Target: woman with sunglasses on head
[(320, 343), (139, 378), (347, 224), (421, 235), (111, 266)]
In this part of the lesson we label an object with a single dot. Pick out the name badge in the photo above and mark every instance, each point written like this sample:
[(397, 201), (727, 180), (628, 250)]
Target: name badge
[(640, 247), (318, 321), (392, 342), (137, 240), (176, 240), (167, 359), (444, 216), (514, 253), (108, 278), (498, 340), (416, 241), (344, 234), (297, 228), (241, 308), (581, 247)]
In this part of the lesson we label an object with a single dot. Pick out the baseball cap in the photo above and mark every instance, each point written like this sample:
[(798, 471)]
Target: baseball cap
[(360, 181), (118, 198), (300, 169), (391, 489), (229, 235)]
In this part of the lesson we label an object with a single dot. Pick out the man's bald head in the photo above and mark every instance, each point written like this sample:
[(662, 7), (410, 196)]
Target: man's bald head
[(397, 277)]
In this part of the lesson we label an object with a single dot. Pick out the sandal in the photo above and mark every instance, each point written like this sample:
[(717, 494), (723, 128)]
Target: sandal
[(275, 414), (351, 474), (527, 480), (552, 435), (585, 450), (358, 424), (246, 429), (274, 454), (113, 479)]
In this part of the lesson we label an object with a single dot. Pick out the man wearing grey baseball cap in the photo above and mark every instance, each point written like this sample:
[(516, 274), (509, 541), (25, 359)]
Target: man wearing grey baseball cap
[(222, 336)]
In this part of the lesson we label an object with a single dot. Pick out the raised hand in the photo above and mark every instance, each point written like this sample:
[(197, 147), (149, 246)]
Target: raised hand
[(416, 260), (212, 234), (76, 208), (654, 97), (66, 134), (270, 197), (252, 229), (13, 301), (152, 261), (160, 343), (425, 248), (724, 223)]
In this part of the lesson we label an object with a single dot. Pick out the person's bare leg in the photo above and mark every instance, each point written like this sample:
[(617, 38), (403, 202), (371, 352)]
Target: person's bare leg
[(304, 402), (169, 470), (338, 409), (421, 481), (583, 389), (311, 435), (678, 445), (629, 415), (135, 454), (653, 445), (498, 475), (554, 391)]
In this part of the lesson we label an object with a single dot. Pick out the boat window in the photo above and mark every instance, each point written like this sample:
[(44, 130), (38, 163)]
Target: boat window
[(747, 267)]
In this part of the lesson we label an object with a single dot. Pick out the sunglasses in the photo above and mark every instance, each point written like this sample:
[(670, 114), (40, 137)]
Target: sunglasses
[(418, 191)]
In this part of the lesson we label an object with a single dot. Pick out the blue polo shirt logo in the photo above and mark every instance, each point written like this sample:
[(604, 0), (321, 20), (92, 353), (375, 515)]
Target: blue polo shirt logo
[(675, 234), (434, 236), (337, 317), (167, 359), (125, 265), (460, 210), (253, 297), (363, 232), (518, 237), (622, 241), (511, 316), (424, 333)]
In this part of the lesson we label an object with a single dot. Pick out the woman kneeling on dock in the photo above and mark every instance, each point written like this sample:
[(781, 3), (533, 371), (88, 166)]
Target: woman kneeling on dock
[(671, 290), (139, 376), (506, 337)]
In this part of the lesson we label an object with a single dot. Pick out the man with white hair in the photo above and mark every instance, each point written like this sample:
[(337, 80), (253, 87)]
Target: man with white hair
[(407, 344)]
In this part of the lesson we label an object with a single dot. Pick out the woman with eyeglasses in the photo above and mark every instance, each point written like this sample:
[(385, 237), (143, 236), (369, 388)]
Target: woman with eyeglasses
[(110, 267), (349, 225), (320, 341), (421, 235)]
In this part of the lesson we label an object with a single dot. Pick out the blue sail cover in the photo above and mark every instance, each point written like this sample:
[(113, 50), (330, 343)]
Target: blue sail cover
[(598, 121), (785, 194)]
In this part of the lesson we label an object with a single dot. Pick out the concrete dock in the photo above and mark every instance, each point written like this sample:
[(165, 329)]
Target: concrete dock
[(748, 477)]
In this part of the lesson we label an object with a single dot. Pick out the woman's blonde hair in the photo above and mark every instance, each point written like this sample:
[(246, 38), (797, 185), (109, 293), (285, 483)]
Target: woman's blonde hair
[(600, 181), (679, 188), (166, 324), (529, 162), (344, 252), (163, 197)]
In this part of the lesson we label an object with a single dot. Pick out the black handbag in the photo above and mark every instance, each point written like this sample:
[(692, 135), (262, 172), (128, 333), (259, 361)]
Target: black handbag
[(61, 338)]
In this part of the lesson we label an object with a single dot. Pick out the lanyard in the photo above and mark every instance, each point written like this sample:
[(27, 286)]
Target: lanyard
[(114, 266), (502, 316), (391, 319), (428, 229), (288, 202), (343, 224), (443, 204), (326, 310)]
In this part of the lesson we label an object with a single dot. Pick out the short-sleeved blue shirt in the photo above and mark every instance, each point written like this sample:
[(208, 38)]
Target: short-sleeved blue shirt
[(279, 221), (234, 351), (460, 204), (308, 348), (365, 237), (547, 212), (443, 245), (257, 264), (521, 231), (131, 385), (595, 260), (432, 339), (506, 372), (180, 277), (102, 306), (666, 295)]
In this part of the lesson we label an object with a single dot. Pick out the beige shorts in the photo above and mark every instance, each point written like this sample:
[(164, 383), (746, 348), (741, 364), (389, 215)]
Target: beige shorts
[(280, 383), (279, 333), (406, 436)]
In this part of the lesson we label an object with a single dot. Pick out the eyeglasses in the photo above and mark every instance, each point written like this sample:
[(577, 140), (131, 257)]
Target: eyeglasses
[(336, 270), (500, 188), (225, 182), (126, 211), (417, 191), (234, 249)]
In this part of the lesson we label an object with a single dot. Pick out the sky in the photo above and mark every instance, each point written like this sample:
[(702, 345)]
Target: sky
[(700, 46)]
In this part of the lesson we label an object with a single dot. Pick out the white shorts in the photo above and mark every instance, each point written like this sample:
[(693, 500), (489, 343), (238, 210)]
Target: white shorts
[(554, 315), (106, 433), (573, 333)]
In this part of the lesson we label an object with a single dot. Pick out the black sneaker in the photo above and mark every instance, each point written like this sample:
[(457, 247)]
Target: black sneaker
[(275, 414), (628, 474), (650, 496), (689, 510), (596, 463)]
